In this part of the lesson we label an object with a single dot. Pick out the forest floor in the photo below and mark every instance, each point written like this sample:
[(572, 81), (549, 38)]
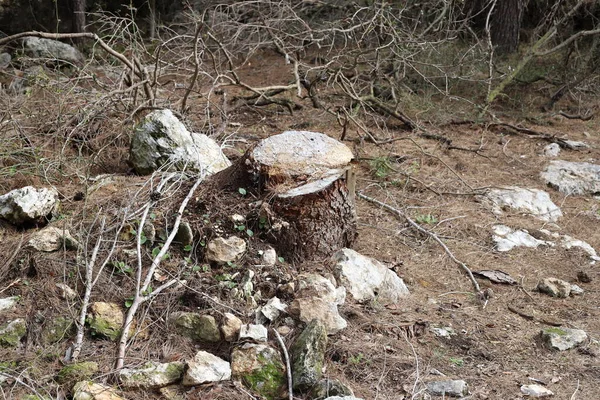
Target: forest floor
[(386, 353)]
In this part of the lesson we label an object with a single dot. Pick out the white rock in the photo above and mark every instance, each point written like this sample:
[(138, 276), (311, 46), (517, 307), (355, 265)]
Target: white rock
[(443, 332), (453, 388), (231, 327), (326, 311), (223, 250), (151, 375), (367, 279), (315, 285), (66, 292), (569, 242), (8, 303), (576, 145), (564, 338), (576, 290), (507, 239), (555, 287), (254, 332), (531, 201), (273, 309), (163, 141), (238, 219), (269, 257), (536, 391), (52, 50), (552, 150), (572, 178), (28, 204), (87, 390), (52, 239), (206, 367)]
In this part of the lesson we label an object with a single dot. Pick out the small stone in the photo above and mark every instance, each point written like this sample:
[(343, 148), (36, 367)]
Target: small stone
[(8, 303), (52, 239), (231, 327), (87, 390), (444, 332), (563, 338), (105, 319), (315, 285), (222, 250), (197, 327), (185, 234), (273, 309), (5, 59), (51, 50), (576, 290), (536, 391), (269, 257), (328, 388), (237, 219), (530, 201), (152, 375), (65, 291), (57, 329), (284, 330), (257, 333), (572, 178), (172, 392), (552, 150), (260, 368), (12, 333), (555, 287), (583, 277), (453, 388), (307, 309), (308, 356), (507, 239), (28, 204), (206, 367)]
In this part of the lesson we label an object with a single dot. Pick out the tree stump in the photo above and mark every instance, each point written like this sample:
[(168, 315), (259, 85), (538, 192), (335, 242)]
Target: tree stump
[(305, 181)]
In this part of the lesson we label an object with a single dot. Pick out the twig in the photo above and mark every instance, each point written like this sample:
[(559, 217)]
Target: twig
[(418, 227), (576, 390), (288, 367), (578, 116)]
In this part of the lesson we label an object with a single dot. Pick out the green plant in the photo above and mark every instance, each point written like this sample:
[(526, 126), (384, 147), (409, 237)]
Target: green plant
[(242, 191), (381, 167), (426, 219), (459, 362), (356, 359), (121, 267)]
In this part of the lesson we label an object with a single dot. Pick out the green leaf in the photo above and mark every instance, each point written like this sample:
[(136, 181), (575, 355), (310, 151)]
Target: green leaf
[(187, 247), (155, 252), (143, 239), (196, 268), (249, 232), (242, 191), (281, 259), (128, 302)]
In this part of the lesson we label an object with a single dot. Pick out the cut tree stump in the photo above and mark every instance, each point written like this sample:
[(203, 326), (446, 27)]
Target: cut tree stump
[(305, 181)]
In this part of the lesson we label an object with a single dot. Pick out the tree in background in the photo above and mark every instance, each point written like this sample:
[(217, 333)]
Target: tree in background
[(504, 18)]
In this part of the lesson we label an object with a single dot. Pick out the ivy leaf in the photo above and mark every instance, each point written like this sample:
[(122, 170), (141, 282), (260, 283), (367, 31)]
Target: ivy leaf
[(242, 191), (249, 232), (187, 247)]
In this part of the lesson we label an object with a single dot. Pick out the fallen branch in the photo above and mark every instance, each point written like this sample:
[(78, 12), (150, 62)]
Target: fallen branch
[(419, 228), (535, 134), (288, 367), (586, 117)]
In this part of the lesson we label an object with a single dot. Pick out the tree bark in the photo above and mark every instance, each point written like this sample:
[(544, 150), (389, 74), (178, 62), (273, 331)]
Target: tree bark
[(505, 21), (78, 17)]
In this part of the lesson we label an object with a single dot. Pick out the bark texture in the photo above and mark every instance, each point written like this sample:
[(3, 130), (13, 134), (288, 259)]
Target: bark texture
[(505, 21)]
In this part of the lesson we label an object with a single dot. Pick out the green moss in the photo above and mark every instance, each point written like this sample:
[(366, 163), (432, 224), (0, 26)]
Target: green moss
[(77, 372), (104, 327), (268, 381), (57, 330), (11, 333), (556, 331)]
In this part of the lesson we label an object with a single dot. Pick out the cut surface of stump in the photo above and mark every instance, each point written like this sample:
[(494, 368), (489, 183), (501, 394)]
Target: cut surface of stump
[(307, 182)]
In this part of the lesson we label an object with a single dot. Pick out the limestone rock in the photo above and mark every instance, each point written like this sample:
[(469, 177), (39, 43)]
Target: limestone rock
[(69, 374), (151, 375), (273, 309), (197, 327), (51, 49), (530, 201), (572, 178), (231, 327), (536, 391), (87, 390), (257, 333), (57, 329), (569, 242), (327, 388), (367, 279), (307, 309), (65, 291), (453, 388), (507, 239), (315, 285), (269, 257), (12, 332), (552, 150), (563, 338), (260, 368), (163, 141), (576, 290), (28, 204), (554, 287), (52, 239), (5, 59), (105, 319), (223, 250), (8, 303), (206, 367), (308, 356), (185, 234)]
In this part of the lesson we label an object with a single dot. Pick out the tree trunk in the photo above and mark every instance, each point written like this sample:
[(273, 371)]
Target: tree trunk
[(505, 21), (305, 184), (78, 17)]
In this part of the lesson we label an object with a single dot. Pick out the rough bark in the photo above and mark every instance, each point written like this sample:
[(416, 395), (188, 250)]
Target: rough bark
[(78, 17), (505, 21)]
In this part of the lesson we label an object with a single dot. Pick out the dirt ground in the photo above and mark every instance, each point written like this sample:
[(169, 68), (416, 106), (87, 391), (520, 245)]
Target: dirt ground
[(386, 353)]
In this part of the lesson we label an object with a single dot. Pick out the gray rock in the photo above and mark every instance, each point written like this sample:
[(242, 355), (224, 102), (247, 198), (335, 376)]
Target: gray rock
[(530, 201), (105, 319), (185, 235), (27, 204), (65, 291), (308, 356), (51, 49), (231, 327), (507, 239), (87, 390), (536, 391), (576, 290), (326, 388), (554, 287), (569, 242), (322, 309), (162, 141), (52, 239), (552, 150), (572, 178), (197, 327), (8, 303), (253, 332), (453, 388), (223, 250), (273, 309), (367, 279), (315, 285), (4, 60), (260, 368), (57, 329), (151, 375), (206, 367), (12, 333), (563, 338), (269, 257)]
